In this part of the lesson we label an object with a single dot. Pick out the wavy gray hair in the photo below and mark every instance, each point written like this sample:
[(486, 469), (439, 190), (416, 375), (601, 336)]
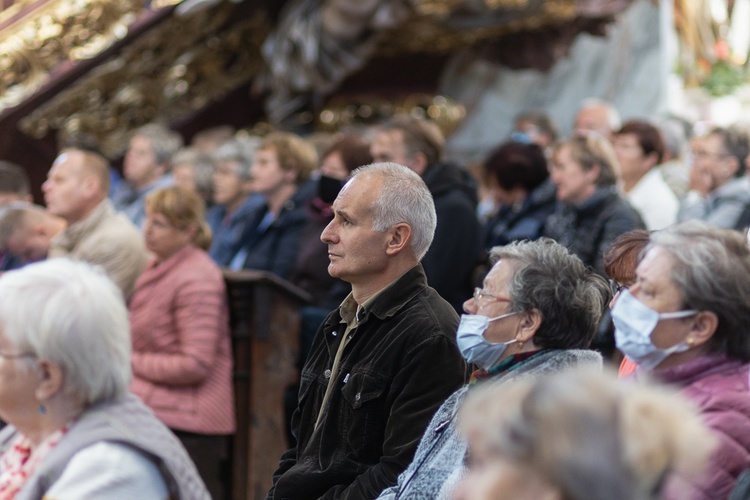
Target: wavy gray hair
[(555, 282)]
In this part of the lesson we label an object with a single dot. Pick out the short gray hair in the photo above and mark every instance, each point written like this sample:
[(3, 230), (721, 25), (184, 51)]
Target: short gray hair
[(240, 150), (613, 116), (555, 282), (73, 314), (203, 169), (711, 269), (164, 141), (404, 197)]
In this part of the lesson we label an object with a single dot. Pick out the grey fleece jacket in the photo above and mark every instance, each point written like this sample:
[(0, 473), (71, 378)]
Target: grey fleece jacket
[(438, 464)]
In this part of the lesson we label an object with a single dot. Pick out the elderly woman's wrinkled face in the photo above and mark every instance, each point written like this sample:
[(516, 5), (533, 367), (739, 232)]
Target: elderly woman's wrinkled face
[(655, 288), (493, 301), (18, 382)]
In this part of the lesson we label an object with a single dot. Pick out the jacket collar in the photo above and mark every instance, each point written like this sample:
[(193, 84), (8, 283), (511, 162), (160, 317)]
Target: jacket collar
[(687, 372), (392, 299), (594, 204), (69, 238), (155, 271)]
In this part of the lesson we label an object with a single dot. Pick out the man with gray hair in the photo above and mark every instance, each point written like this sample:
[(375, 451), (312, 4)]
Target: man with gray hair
[(145, 168), (384, 361), (597, 115)]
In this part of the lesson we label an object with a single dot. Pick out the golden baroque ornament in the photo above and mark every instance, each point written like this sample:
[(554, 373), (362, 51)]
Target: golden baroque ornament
[(166, 74), (56, 33)]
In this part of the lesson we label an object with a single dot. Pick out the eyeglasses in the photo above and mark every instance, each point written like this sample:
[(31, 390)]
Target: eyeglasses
[(615, 287), (17, 355), (480, 294), (699, 155)]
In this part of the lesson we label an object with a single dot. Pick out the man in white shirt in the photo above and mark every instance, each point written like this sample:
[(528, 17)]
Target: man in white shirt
[(719, 189)]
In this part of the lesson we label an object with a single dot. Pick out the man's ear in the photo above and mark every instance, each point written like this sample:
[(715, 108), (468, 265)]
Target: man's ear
[(651, 160), (91, 185), (704, 326), (593, 173), (732, 165), (39, 230), (399, 238)]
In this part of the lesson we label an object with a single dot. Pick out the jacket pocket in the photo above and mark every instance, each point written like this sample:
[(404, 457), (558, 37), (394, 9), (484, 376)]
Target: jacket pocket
[(364, 412)]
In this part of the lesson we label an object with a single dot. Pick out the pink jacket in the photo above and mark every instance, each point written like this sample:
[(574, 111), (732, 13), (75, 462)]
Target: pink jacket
[(182, 361), (718, 387)]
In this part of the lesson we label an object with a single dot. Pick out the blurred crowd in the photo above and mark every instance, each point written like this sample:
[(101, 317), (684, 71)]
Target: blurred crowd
[(464, 326)]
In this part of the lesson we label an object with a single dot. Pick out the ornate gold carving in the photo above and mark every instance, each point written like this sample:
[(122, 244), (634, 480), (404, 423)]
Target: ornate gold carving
[(433, 30), (174, 70), (368, 109), (53, 34)]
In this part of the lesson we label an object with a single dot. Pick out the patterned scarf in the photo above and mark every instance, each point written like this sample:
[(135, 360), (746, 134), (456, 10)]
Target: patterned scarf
[(507, 365), (21, 460)]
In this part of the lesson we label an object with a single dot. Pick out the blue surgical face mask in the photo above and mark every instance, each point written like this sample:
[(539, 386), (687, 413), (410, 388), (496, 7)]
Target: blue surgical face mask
[(634, 323), (474, 347)]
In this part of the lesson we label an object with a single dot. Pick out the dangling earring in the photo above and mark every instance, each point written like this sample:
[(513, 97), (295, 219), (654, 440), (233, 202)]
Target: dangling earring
[(42, 409), (520, 344)]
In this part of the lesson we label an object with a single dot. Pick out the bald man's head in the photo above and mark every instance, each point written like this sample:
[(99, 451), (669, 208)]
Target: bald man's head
[(77, 182)]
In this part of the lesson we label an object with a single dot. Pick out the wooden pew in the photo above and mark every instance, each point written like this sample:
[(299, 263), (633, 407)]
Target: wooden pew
[(264, 316)]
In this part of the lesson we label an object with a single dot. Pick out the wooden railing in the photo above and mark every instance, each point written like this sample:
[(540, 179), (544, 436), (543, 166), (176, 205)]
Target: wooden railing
[(265, 319)]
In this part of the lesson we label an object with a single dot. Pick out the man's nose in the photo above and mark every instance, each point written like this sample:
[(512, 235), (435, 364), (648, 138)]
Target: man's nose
[(328, 234)]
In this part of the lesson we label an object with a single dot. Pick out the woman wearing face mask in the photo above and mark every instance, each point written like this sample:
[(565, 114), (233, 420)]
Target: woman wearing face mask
[(619, 264), (536, 314), (340, 158), (685, 320)]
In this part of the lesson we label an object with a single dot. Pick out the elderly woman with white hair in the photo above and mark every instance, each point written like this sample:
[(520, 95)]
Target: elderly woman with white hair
[(74, 429), (685, 321)]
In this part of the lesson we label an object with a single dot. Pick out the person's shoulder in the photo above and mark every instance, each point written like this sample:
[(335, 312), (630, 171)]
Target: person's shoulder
[(432, 312), (721, 390), (112, 468), (618, 208), (196, 265)]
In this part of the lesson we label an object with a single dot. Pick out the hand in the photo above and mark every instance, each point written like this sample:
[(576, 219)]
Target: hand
[(701, 180)]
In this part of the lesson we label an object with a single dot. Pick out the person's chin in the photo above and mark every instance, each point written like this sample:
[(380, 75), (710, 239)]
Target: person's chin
[(334, 270)]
